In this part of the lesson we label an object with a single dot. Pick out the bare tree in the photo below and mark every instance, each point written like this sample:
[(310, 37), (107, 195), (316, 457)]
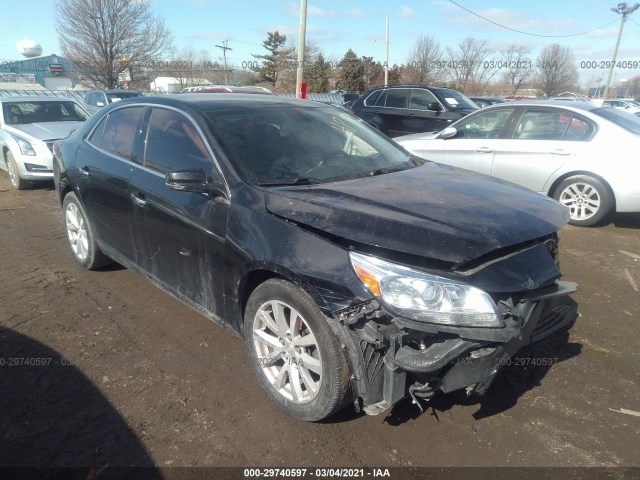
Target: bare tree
[(556, 69), (517, 66), (106, 39), (469, 66), (424, 63)]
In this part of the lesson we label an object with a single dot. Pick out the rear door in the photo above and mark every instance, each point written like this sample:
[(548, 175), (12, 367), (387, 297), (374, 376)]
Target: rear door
[(179, 235), (394, 112), (104, 161), (542, 140)]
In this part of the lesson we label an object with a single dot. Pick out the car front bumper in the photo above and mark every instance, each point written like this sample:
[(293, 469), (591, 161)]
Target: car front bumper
[(464, 362)]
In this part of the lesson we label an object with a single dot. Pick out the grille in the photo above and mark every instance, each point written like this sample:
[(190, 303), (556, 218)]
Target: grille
[(553, 320)]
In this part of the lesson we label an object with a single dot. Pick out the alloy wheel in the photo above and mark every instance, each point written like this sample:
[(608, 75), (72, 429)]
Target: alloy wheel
[(582, 199), (77, 232), (287, 351)]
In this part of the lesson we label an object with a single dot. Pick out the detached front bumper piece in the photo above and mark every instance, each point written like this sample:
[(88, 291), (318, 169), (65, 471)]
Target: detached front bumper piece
[(463, 362)]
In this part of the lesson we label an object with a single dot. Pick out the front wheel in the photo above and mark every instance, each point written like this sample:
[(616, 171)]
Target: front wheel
[(588, 199), (80, 235), (296, 355), (17, 181)]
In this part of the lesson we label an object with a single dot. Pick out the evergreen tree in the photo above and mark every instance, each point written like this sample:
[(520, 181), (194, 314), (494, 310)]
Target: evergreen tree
[(275, 61), (351, 72), (318, 75)]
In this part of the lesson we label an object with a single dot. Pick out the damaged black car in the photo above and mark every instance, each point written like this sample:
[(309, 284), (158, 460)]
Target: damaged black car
[(356, 272)]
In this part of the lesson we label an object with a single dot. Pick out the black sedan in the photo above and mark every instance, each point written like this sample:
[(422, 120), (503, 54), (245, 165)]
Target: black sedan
[(356, 272)]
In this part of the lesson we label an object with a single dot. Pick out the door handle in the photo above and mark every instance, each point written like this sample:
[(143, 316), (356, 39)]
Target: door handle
[(484, 150), (139, 199), (85, 171), (559, 151)]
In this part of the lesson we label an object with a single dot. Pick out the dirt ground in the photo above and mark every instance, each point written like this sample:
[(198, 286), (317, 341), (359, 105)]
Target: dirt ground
[(114, 371)]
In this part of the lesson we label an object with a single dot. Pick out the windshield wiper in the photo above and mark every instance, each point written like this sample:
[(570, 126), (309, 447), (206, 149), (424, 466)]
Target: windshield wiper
[(384, 170), (295, 181)]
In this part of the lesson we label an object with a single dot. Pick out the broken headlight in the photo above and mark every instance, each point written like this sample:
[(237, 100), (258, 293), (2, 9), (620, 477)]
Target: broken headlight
[(424, 297)]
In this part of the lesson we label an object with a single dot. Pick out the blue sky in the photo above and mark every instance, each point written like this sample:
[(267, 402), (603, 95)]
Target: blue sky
[(337, 25)]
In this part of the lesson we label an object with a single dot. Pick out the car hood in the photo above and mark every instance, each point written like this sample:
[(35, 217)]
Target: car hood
[(434, 211), (45, 130), (416, 136)]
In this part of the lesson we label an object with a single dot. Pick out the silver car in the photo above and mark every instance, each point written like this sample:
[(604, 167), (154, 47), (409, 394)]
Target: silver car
[(582, 155), (28, 128)]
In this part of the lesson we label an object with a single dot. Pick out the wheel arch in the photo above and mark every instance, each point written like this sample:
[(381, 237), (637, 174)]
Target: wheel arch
[(255, 277), (552, 189)]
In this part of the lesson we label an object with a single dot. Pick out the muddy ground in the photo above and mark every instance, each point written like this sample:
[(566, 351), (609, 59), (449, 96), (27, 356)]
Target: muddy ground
[(129, 376)]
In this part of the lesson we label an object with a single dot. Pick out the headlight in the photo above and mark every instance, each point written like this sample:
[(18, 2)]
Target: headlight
[(25, 147), (424, 297)]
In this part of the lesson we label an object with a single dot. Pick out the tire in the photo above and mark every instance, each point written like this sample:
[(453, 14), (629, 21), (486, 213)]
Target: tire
[(80, 235), (309, 378), (14, 174), (588, 199)]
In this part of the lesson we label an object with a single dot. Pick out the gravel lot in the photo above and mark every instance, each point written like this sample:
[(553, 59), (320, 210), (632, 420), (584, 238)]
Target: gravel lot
[(114, 371)]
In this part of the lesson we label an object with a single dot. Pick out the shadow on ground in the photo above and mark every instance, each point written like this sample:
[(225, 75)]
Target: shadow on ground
[(54, 416)]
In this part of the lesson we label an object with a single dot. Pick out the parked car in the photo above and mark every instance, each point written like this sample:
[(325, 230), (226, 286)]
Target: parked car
[(356, 273), (486, 101), (626, 105), (402, 109), (578, 153), (96, 99), (229, 89), (28, 128)]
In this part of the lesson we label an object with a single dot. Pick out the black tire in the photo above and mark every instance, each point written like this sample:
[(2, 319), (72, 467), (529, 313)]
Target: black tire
[(589, 200), (80, 235), (331, 383), (18, 182)]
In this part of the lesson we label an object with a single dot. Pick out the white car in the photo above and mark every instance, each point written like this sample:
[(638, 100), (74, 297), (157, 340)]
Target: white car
[(582, 155), (28, 128), (627, 105)]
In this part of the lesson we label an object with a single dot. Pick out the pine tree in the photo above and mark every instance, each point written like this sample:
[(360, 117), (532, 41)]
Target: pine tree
[(351, 72), (275, 61)]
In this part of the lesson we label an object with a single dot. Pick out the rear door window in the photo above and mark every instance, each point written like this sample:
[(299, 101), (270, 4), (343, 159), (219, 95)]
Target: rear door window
[(120, 131)]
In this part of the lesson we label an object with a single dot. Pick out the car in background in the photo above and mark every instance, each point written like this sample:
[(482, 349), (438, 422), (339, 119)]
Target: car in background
[(402, 109), (582, 155), (28, 128), (229, 89), (358, 274), (486, 101), (627, 105), (96, 99), (574, 98)]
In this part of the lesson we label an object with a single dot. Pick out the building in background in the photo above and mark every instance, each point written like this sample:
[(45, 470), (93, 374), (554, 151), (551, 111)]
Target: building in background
[(52, 72)]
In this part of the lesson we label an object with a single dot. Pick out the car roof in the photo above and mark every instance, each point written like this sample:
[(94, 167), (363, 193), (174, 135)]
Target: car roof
[(207, 101), (577, 105), (36, 98)]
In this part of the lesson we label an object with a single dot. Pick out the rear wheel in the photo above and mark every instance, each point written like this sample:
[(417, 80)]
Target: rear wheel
[(14, 174), (588, 199), (296, 356), (80, 235)]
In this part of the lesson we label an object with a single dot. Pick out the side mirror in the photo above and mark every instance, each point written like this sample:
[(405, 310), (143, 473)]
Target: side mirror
[(434, 106), (448, 132), (194, 181)]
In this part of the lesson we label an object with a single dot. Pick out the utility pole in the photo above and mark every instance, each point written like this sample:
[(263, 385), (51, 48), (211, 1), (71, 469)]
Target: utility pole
[(301, 40), (224, 49), (386, 60), (623, 10)]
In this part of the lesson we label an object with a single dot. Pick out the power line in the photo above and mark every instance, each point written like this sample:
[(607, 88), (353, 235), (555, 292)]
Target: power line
[(528, 33)]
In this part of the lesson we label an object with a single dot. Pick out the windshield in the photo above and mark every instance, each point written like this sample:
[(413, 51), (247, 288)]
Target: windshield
[(623, 119), (455, 100), (296, 145), (19, 113)]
